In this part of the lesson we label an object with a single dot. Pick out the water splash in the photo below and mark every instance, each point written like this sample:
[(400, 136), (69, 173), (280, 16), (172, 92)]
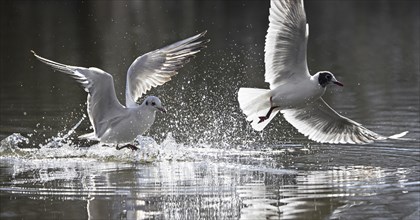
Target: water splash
[(10, 145), (149, 152), (63, 146), (62, 137)]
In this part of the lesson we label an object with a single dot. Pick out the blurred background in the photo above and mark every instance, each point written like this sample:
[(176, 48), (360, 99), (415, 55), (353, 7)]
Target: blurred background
[(371, 46), (217, 167)]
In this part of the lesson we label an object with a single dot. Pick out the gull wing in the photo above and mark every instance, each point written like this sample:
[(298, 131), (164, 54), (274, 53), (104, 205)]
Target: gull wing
[(157, 67), (102, 102), (285, 43), (322, 124)]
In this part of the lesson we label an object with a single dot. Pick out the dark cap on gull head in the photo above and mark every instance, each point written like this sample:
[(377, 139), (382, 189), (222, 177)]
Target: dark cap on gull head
[(325, 78)]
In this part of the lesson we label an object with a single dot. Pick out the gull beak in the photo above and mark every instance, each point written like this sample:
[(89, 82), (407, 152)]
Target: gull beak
[(162, 109), (337, 83)]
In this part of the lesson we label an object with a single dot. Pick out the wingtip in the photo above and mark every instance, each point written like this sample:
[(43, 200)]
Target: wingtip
[(203, 33), (35, 55), (397, 136), (203, 44)]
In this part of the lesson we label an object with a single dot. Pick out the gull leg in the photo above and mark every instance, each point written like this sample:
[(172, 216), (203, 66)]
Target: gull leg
[(130, 146), (267, 116)]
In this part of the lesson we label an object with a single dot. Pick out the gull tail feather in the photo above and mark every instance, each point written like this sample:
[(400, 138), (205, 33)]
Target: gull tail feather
[(255, 103)]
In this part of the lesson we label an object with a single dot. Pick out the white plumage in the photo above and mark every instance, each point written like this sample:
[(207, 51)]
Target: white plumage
[(293, 91), (113, 122)]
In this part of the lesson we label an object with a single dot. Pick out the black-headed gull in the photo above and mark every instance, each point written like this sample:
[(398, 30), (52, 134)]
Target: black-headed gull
[(293, 91), (114, 123)]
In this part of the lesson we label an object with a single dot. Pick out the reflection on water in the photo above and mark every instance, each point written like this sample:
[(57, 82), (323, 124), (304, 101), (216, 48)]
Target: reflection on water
[(202, 160), (202, 190), (216, 184)]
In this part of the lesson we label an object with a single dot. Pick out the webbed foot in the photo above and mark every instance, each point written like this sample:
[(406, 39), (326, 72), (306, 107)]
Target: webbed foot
[(130, 146), (262, 118)]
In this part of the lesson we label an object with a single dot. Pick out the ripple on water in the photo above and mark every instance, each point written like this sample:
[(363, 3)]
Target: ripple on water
[(172, 180)]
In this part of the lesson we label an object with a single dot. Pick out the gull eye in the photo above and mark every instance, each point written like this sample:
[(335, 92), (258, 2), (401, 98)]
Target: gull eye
[(329, 77), (147, 103), (153, 103)]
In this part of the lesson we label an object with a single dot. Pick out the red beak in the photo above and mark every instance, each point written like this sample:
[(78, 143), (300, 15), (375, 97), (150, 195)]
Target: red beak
[(338, 83)]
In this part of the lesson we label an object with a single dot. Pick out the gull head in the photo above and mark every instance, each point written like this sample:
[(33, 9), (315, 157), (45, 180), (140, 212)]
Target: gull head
[(153, 103), (326, 78)]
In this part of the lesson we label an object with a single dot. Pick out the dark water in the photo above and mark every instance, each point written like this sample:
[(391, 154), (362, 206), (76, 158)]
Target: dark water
[(212, 165)]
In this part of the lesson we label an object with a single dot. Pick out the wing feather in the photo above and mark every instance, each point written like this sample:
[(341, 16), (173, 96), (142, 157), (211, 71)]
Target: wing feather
[(157, 67), (286, 42), (322, 124), (102, 102)]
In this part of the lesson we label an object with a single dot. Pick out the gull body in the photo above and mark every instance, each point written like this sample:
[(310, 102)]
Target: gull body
[(127, 123), (294, 92), (297, 94), (112, 122)]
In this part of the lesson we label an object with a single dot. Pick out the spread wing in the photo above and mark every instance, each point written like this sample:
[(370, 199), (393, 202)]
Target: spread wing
[(322, 124), (157, 67), (102, 101), (285, 43)]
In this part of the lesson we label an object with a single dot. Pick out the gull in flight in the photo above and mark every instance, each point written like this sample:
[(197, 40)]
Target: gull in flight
[(114, 123), (293, 91)]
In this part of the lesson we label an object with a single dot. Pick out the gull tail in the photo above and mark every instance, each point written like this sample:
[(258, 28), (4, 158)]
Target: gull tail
[(255, 103)]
